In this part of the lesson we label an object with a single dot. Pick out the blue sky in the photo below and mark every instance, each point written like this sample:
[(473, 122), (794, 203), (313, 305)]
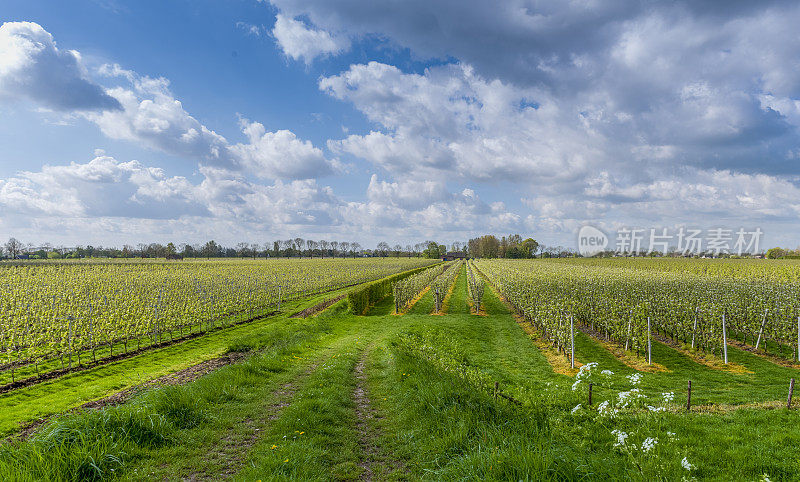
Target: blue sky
[(125, 122)]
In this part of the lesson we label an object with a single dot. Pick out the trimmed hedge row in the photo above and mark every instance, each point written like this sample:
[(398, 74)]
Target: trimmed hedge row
[(360, 299)]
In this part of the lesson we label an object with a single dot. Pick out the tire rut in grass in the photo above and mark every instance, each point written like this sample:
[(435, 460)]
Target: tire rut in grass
[(373, 459), (234, 449)]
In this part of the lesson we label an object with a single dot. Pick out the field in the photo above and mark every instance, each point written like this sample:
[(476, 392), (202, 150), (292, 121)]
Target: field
[(402, 369)]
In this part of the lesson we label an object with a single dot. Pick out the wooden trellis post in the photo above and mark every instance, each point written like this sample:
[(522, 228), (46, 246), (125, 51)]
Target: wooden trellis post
[(761, 330), (724, 340), (649, 347), (572, 337)]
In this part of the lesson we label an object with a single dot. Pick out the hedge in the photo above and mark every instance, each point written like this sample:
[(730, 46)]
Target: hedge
[(370, 293)]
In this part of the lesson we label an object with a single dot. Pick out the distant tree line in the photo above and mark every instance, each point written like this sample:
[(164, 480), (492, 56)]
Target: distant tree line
[(285, 248), (487, 246)]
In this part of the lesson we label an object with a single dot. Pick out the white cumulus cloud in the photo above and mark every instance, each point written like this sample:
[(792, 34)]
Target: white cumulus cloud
[(300, 41), (32, 66)]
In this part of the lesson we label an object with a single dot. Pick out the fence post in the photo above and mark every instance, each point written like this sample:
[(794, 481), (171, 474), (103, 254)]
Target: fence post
[(496, 389), (590, 394), (791, 390), (689, 397)]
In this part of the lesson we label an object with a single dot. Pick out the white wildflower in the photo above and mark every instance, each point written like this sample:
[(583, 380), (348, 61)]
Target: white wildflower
[(605, 410), (621, 436), (686, 465), (648, 444), (607, 373), (629, 397), (668, 396), (765, 478), (634, 378), (575, 385), (585, 370), (577, 407), (671, 435), (655, 409)]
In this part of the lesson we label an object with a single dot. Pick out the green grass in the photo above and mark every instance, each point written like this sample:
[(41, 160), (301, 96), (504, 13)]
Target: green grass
[(768, 382), (288, 412)]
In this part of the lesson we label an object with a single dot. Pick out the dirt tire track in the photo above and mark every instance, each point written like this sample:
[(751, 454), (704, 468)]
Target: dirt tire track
[(364, 413), (236, 449), (368, 434)]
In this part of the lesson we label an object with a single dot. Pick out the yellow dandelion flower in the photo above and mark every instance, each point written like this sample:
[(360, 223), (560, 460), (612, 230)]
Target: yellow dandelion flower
[(274, 447)]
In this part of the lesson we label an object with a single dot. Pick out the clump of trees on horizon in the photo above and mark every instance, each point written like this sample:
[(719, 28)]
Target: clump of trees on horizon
[(513, 246), (780, 253)]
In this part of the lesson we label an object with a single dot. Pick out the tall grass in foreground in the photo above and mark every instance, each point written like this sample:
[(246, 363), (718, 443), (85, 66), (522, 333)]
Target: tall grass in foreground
[(96, 444)]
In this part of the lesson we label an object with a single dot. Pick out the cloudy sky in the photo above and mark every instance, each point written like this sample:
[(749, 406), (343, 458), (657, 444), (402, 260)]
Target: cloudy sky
[(365, 120)]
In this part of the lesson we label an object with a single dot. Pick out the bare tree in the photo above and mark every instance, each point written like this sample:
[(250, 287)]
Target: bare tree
[(345, 247), (287, 246), (334, 247), (14, 247), (383, 248), (356, 248), (242, 249), (299, 243)]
